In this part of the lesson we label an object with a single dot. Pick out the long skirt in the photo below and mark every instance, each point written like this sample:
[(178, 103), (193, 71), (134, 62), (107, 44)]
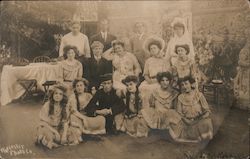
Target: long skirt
[(195, 132), (79, 127), (135, 126), (160, 119), (47, 137)]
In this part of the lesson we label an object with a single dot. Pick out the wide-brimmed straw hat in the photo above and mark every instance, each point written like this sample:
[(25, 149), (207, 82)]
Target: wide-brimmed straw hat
[(151, 40)]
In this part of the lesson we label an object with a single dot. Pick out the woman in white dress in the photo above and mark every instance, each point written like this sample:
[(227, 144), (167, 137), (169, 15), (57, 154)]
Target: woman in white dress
[(181, 36), (160, 114), (70, 68), (124, 64), (153, 65)]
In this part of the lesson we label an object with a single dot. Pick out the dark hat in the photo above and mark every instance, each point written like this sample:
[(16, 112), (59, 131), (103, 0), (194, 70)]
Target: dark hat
[(106, 77)]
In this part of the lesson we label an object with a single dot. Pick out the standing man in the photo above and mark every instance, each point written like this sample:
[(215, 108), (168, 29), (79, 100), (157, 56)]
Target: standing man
[(137, 41), (96, 66), (77, 39), (104, 36), (105, 102)]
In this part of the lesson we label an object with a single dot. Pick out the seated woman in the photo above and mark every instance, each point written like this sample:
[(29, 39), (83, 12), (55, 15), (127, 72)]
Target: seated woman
[(153, 65), (184, 66), (161, 113), (96, 66), (132, 121), (124, 64), (70, 67), (52, 129), (196, 124), (79, 123)]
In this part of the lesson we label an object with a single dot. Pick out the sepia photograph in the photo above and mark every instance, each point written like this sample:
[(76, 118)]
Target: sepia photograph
[(167, 79)]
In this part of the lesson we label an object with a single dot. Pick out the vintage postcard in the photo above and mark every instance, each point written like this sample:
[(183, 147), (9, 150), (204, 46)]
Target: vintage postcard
[(125, 79)]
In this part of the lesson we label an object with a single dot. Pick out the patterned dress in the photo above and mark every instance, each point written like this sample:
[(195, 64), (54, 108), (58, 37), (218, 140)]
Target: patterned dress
[(196, 123), (182, 69), (160, 113), (132, 121), (123, 66), (80, 123), (50, 128)]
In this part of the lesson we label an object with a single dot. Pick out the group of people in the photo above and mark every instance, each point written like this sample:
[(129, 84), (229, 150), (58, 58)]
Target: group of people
[(107, 89), (65, 119)]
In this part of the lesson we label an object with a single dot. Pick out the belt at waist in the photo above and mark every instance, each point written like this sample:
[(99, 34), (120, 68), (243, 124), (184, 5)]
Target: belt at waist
[(67, 80)]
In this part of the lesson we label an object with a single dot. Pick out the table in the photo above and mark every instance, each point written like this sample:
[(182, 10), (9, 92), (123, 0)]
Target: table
[(11, 89)]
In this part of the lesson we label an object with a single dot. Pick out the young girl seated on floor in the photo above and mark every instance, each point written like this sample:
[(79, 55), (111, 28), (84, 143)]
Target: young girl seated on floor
[(52, 129)]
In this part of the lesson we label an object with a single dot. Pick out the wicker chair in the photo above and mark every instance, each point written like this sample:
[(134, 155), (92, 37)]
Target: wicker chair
[(41, 59)]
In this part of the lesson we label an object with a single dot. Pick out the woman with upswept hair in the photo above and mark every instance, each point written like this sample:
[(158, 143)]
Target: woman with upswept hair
[(132, 121), (196, 124), (161, 114), (70, 67), (79, 123)]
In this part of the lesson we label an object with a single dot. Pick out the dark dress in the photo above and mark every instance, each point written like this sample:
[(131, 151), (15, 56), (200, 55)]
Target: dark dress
[(107, 43), (94, 69), (102, 100)]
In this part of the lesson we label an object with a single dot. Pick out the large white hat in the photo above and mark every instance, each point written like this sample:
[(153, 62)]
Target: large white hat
[(152, 39)]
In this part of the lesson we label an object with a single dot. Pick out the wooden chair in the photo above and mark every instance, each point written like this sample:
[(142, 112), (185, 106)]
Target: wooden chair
[(30, 87), (41, 59)]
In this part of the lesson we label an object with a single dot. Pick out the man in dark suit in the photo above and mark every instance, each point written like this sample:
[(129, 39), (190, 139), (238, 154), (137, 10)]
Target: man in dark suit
[(103, 36), (106, 103), (96, 66)]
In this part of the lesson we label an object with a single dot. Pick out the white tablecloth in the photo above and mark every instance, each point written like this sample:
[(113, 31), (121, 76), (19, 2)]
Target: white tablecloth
[(10, 89)]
